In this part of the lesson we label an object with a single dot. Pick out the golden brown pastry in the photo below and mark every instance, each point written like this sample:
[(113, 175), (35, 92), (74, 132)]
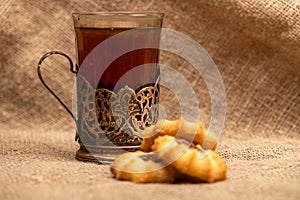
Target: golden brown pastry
[(140, 167), (190, 159), (180, 128)]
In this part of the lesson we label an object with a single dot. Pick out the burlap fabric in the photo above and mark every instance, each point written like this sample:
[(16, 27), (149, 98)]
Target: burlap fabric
[(256, 46)]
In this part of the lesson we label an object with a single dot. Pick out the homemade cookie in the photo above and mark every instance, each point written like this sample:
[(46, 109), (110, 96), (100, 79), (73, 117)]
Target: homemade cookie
[(142, 167), (180, 128), (190, 159)]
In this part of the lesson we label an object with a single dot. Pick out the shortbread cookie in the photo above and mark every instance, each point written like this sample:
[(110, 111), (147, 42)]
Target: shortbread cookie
[(142, 167), (190, 159), (180, 128)]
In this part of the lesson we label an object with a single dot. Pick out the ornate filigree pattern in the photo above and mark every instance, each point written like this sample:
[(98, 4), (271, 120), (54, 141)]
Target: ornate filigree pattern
[(107, 118)]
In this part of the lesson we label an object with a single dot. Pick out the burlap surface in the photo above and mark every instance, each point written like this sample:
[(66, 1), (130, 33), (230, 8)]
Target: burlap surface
[(256, 46)]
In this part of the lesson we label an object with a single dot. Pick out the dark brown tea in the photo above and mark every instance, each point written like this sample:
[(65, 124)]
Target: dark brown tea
[(89, 38), (124, 96)]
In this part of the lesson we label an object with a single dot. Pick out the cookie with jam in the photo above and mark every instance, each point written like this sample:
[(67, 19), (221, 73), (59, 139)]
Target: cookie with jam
[(190, 159), (141, 167)]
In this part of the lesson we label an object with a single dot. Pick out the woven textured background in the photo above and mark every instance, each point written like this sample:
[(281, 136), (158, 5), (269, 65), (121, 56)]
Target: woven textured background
[(256, 46)]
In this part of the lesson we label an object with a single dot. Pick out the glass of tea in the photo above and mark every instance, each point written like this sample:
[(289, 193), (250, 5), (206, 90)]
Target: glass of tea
[(117, 81)]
